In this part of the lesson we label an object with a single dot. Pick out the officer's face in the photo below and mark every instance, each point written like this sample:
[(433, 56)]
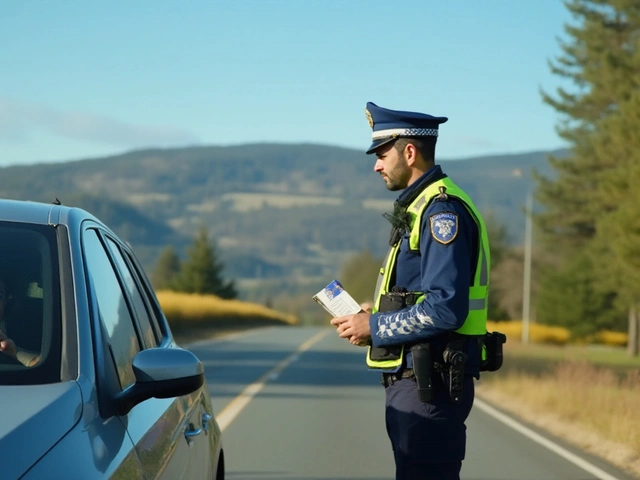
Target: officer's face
[(393, 168)]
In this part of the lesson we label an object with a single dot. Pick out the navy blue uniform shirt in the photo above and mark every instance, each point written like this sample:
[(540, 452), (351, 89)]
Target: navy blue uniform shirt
[(443, 272)]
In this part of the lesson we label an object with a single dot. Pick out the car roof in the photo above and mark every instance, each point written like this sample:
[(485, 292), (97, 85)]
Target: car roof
[(27, 211)]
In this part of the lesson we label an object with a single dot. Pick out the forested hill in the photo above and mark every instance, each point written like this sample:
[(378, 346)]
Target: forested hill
[(273, 209)]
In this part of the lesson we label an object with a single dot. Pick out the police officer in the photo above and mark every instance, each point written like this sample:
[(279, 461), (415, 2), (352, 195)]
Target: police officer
[(430, 307)]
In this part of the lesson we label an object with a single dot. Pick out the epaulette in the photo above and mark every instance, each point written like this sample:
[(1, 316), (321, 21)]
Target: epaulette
[(442, 196)]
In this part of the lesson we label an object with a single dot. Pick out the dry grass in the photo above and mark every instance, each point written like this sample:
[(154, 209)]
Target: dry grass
[(245, 202), (591, 406), (141, 199), (185, 310)]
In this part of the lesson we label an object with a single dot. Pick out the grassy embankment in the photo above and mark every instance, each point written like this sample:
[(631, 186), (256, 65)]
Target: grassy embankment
[(200, 316), (588, 394)]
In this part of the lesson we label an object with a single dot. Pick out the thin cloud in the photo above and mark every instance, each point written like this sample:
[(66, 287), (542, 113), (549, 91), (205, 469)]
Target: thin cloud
[(18, 121)]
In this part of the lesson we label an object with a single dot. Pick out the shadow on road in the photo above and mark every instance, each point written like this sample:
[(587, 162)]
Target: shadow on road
[(286, 476)]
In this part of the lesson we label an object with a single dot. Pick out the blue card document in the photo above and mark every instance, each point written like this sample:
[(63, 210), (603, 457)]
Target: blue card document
[(336, 300)]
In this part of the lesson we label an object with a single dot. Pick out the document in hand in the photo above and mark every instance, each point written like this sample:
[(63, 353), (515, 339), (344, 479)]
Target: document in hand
[(336, 300)]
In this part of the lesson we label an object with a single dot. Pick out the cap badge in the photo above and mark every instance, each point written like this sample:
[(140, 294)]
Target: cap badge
[(369, 117)]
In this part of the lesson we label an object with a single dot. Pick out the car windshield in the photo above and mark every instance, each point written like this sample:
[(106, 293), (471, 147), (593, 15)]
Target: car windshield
[(30, 326)]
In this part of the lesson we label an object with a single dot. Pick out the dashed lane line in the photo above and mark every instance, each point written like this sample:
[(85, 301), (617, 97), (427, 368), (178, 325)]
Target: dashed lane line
[(233, 409)]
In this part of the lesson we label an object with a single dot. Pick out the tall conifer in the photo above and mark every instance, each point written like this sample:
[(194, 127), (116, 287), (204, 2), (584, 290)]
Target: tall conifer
[(618, 231), (202, 271), (600, 61)]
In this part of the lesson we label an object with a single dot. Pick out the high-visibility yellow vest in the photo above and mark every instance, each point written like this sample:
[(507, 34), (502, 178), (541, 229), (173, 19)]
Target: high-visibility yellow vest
[(476, 322)]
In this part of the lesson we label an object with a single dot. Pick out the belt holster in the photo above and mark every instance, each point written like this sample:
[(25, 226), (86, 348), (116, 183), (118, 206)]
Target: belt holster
[(423, 370), (455, 360)]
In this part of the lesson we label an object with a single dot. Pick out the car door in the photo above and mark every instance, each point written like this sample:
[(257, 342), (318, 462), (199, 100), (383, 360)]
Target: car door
[(195, 416), (156, 426)]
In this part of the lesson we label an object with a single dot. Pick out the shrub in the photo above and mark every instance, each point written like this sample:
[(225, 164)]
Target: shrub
[(556, 335)]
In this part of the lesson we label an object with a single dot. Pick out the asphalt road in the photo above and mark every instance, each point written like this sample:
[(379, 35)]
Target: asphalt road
[(299, 403)]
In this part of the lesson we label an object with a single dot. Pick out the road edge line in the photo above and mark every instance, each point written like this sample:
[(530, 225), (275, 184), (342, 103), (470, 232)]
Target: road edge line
[(545, 442)]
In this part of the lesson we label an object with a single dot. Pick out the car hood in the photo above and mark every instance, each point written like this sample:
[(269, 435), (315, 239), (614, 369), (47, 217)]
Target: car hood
[(34, 418)]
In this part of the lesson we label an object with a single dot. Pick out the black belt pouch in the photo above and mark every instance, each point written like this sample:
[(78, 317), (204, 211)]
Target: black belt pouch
[(389, 302)]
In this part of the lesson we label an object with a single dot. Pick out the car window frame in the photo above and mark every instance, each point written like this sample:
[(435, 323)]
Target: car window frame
[(154, 307), (103, 355), (122, 250), (49, 369), (103, 235), (70, 361), (163, 323)]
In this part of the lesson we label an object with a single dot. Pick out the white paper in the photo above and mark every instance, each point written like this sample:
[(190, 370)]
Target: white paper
[(336, 300)]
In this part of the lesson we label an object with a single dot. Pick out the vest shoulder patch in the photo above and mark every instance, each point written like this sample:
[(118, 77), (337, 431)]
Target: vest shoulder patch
[(444, 227)]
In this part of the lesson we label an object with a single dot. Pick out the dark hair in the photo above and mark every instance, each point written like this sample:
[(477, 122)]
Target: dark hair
[(425, 145)]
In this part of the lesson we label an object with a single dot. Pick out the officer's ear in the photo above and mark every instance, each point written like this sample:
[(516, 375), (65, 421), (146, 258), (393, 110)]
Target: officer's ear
[(410, 154)]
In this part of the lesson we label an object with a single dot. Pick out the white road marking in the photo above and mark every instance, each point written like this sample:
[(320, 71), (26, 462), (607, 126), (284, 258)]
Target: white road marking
[(539, 439), (233, 409)]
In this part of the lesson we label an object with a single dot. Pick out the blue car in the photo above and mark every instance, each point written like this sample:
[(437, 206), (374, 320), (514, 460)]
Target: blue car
[(92, 383)]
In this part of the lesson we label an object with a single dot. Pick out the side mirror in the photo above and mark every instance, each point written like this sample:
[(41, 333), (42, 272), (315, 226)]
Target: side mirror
[(161, 373)]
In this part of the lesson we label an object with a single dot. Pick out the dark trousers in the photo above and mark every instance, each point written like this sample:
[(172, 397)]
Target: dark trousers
[(429, 471), (428, 439)]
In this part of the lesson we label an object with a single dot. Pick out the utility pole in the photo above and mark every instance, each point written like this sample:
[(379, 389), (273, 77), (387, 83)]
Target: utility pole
[(526, 288)]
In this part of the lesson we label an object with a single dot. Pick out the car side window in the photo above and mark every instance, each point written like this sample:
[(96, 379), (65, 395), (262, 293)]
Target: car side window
[(112, 307), (151, 300), (142, 313), (149, 294)]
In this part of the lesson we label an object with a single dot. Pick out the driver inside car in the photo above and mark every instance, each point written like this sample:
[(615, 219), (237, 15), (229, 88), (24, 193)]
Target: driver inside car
[(8, 346)]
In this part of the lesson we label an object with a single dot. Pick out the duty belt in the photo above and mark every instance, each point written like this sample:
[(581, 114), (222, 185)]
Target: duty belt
[(391, 378)]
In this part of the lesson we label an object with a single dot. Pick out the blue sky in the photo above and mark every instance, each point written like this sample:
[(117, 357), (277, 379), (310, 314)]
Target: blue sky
[(88, 79)]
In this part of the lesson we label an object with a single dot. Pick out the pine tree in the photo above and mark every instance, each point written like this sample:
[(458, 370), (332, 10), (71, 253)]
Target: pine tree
[(599, 64), (167, 267), (600, 60), (202, 271), (618, 232)]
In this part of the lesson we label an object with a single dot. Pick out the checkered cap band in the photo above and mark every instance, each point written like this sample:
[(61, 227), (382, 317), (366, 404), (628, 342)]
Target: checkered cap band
[(405, 132)]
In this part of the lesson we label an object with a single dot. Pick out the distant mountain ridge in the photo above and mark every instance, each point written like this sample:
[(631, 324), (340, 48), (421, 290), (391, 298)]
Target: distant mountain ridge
[(275, 210)]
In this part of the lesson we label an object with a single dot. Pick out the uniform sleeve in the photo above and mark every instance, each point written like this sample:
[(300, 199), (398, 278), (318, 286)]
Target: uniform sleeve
[(447, 263)]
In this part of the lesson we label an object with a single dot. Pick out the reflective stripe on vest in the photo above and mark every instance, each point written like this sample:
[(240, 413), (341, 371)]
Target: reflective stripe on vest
[(476, 322)]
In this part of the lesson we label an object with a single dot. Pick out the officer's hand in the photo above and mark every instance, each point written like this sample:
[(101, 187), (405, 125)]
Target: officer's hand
[(358, 343), (355, 328)]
